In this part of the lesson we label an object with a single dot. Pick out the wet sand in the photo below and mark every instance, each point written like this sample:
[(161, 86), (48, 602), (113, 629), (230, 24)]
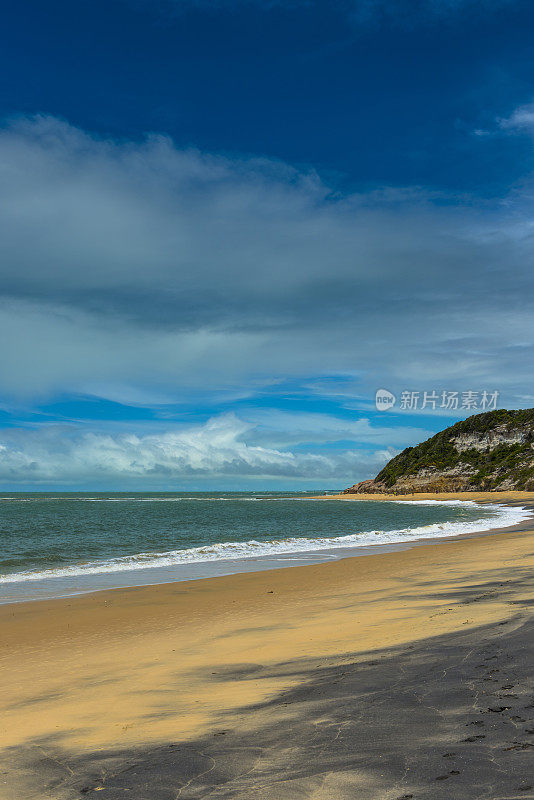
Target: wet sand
[(397, 675)]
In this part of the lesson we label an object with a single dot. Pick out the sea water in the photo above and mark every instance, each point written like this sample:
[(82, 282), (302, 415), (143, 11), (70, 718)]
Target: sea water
[(56, 544)]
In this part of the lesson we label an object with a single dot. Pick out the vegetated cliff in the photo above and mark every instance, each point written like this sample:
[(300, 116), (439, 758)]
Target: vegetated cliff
[(493, 451)]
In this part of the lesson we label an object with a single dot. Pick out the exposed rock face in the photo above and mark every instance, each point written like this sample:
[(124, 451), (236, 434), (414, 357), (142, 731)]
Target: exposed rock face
[(488, 440), (488, 452)]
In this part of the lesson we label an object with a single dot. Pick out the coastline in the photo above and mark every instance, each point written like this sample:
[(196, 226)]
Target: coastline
[(95, 684), (510, 498), (277, 556)]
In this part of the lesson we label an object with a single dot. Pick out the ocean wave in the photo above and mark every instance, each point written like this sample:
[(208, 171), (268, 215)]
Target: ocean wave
[(500, 516), (471, 503), (138, 499)]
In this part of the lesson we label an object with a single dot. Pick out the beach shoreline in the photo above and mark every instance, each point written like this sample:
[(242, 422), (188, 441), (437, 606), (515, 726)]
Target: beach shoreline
[(509, 497), (80, 583), (96, 683)]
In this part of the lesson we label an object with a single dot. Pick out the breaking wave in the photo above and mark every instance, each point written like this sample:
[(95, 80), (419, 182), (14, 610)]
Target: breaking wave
[(500, 516)]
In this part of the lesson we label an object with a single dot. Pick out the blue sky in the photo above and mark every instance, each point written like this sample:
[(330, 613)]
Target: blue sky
[(225, 225)]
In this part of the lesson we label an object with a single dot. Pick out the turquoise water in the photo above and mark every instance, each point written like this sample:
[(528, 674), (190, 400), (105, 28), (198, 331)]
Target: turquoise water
[(88, 540)]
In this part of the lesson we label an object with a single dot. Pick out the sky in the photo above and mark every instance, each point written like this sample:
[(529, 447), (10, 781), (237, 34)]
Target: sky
[(226, 224)]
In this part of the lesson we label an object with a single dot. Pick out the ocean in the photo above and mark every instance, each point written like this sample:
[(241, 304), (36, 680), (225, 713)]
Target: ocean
[(57, 544)]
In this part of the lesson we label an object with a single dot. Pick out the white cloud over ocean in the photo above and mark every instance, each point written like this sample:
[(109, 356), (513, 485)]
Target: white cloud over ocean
[(223, 447)]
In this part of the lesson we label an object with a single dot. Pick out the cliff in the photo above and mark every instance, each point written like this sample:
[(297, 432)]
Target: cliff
[(487, 452)]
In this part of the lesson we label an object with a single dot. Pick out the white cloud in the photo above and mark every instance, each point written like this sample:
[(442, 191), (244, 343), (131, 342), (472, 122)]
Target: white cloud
[(146, 274), (296, 428), (521, 119), (216, 449), (138, 270)]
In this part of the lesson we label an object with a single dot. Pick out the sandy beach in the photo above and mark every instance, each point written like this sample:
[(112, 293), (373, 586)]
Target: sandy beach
[(395, 675), (477, 497)]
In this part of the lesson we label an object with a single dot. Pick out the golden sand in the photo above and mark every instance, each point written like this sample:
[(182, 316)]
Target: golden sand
[(151, 664), (478, 497)]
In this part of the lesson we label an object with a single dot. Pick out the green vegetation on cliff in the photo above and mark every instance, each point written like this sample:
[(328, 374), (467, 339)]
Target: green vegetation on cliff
[(484, 452)]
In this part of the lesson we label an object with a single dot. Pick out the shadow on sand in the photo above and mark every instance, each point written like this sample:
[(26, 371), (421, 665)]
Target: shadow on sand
[(449, 718)]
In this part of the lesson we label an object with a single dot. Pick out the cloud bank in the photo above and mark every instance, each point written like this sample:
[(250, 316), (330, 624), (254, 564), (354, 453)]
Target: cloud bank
[(148, 274), (214, 450), (134, 264)]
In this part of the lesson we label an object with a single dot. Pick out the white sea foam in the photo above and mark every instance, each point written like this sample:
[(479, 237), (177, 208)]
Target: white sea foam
[(140, 499), (471, 503), (499, 516)]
